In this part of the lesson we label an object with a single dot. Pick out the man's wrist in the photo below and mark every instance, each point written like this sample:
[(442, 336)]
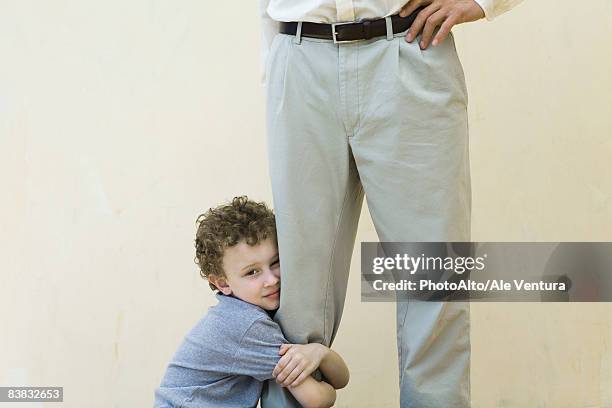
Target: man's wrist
[(487, 8)]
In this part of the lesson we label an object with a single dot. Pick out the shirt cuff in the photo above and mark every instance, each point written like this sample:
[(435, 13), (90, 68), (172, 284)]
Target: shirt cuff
[(487, 7)]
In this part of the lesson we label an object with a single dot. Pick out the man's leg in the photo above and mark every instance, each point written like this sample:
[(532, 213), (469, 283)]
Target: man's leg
[(317, 193), (411, 150)]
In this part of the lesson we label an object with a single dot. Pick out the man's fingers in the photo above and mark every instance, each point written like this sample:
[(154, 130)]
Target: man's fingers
[(432, 22), (411, 6), (445, 28), (418, 23), (284, 348)]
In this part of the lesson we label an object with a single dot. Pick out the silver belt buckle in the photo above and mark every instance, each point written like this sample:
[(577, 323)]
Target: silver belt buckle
[(334, 33)]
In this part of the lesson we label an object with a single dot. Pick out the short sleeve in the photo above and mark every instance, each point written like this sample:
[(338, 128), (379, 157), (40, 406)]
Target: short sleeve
[(257, 353)]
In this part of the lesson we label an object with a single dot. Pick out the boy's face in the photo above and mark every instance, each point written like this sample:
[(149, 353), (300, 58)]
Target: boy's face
[(252, 274)]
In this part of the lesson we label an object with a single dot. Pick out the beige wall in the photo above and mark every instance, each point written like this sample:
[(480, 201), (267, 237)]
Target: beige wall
[(121, 121)]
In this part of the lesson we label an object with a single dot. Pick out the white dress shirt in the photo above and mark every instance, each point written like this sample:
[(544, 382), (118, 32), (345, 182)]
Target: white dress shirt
[(331, 11)]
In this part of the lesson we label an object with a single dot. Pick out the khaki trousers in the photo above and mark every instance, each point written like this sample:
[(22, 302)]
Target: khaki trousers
[(384, 119)]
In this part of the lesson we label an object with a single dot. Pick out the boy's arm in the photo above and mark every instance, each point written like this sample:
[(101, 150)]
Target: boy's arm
[(301, 360), (334, 369), (313, 394)]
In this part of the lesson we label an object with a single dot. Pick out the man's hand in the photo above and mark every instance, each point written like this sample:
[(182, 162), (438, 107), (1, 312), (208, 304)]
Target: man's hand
[(298, 361), (439, 13)]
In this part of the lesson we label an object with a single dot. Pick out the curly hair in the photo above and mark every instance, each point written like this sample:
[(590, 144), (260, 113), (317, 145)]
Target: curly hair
[(228, 225)]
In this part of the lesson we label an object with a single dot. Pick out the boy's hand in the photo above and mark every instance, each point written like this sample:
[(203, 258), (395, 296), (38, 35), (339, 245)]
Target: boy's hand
[(298, 361)]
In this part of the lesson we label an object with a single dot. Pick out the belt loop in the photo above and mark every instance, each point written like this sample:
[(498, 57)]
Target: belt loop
[(389, 24), (298, 33)]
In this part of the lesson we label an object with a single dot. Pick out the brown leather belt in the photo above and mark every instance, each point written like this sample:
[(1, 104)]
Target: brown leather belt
[(349, 32)]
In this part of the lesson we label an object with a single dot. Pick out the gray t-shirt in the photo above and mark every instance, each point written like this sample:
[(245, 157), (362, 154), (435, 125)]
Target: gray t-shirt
[(224, 359)]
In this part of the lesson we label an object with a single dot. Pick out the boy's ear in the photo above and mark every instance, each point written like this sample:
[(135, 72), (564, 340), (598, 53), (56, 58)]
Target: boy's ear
[(220, 283)]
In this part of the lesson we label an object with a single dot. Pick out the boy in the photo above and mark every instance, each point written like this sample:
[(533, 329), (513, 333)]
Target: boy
[(227, 356)]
